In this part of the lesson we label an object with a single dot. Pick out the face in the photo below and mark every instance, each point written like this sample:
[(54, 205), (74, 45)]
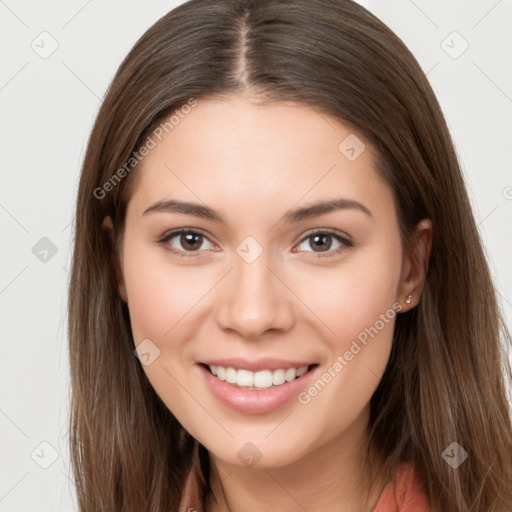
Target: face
[(267, 282)]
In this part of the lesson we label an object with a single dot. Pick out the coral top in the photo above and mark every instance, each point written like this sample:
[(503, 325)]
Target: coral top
[(405, 494)]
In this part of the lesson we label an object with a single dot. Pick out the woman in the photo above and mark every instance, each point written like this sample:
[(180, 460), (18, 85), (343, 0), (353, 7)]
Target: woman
[(238, 142)]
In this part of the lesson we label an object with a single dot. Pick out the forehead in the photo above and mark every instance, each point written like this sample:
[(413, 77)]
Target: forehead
[(233, 150)]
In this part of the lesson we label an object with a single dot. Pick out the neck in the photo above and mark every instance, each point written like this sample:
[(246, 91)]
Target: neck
[(330, 478)]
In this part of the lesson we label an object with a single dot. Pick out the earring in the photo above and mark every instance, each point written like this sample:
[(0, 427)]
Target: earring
[(408, 299)]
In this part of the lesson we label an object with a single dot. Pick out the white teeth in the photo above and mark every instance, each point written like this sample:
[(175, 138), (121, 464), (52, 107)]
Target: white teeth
[(278, 377), (263, 379), (244, 378), (301, 371), (290, 374), (231, 375)]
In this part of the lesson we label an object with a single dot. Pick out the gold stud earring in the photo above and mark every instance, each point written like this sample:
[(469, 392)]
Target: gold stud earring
[(408, 299)]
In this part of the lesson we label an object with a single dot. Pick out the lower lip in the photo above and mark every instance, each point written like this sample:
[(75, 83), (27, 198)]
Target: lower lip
[(252, 401)]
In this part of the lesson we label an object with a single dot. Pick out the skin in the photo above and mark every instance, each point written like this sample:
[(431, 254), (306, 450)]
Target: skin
[(252, 164)]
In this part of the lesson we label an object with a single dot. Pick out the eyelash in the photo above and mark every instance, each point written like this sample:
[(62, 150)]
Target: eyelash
[(345, 241)]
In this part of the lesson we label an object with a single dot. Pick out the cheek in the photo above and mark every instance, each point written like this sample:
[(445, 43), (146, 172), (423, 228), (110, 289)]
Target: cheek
[(361, 310), (352, 297), (161, 300), (160, 294), (359, 306)]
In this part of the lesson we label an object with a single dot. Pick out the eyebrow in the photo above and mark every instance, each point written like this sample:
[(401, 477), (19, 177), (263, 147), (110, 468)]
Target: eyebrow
[(295, 215)]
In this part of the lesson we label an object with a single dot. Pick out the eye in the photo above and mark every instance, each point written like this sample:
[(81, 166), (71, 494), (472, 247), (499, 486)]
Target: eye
[(321, 241), (191, 242)]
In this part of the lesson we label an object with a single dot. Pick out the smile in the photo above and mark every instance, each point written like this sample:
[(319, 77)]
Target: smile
[(263, 379), (264, 388)]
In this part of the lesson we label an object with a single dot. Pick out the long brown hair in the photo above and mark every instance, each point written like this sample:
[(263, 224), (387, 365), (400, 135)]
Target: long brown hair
[(446, 380)]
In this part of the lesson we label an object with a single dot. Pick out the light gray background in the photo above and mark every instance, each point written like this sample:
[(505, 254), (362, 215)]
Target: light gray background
[(47, 109)]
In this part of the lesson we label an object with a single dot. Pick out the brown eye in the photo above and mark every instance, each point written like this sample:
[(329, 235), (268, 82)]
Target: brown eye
[(322, 242), (184, 241), (191, 240)]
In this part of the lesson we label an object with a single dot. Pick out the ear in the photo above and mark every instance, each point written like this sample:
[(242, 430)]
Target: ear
[(108, 228), (415, 265)]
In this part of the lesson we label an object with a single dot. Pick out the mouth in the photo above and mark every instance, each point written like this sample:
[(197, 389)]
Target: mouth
[(262, 380), (268, 386)]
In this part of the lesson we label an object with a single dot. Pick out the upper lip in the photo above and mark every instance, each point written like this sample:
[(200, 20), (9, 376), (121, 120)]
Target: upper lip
[(255, 365)]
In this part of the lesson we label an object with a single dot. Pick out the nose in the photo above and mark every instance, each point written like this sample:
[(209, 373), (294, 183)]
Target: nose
[(254, 299)]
